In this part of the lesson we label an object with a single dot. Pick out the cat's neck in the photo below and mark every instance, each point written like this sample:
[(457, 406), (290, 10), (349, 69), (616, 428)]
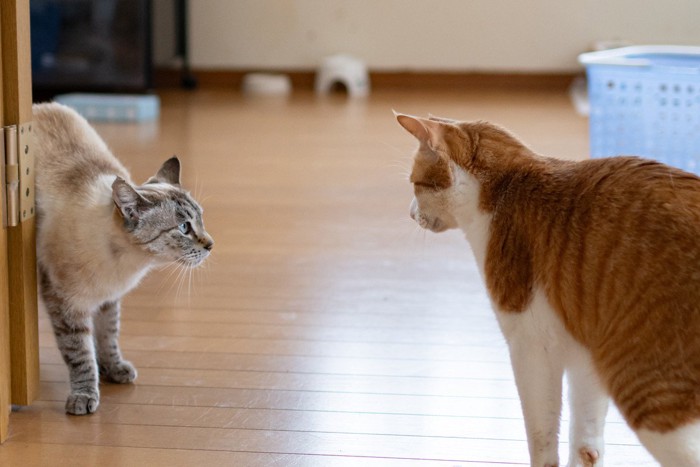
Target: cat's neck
[(108, 224), (112, 263), (500, 174), (471, 219)]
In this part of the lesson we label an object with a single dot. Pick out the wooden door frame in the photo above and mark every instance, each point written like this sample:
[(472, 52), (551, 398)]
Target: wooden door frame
[(21, 239), (5, 384)]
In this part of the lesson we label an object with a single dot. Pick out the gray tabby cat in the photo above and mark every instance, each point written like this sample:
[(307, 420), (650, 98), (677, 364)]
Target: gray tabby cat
[(98, 235)]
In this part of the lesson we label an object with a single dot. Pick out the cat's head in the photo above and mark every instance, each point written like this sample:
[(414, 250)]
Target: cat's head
[(162, 218), (434, 171), (458, 166)]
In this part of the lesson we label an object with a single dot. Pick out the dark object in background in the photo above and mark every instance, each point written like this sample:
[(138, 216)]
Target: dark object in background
[(90, 45), (182, 48)]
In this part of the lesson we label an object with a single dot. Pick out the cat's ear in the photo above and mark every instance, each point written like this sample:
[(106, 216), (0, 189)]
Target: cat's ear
[(428, 132), (129, 202), (168, 173), (435, 118)]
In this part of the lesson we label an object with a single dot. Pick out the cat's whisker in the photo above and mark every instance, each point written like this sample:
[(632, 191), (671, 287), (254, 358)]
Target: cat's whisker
[(404, 165), (197, 186), (199, 191), (419, 234), (180, 279), (404, 172), (184, 282), (404, 230), (185, 277), (205, 198), (189, 291), (205, 275), (171, 279), (401, 164), (416, 231), (204, 266), (398, 149), (171, 268), (178, 288), (190, 275)]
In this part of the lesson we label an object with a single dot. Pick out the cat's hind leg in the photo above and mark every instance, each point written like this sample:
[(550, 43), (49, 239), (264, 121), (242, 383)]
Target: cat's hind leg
[(677, 448), (589, 406), (73, 331), (112, 366)]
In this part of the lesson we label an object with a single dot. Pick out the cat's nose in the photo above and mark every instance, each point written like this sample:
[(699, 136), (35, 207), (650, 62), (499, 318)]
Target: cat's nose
[(414, 208), (207, 242)]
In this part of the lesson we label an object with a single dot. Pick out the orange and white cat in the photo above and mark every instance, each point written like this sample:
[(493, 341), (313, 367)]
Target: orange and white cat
[(593, 269)]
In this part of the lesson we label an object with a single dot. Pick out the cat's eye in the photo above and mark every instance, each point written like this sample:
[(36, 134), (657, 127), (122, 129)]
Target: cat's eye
[(185, 228), (430, 186)]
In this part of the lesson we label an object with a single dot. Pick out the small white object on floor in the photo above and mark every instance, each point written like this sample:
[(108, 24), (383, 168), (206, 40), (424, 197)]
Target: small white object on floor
[(266, 84), (345, 70), (578, 92)]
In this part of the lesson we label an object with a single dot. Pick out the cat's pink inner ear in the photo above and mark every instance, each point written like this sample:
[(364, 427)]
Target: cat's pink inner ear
[(428, 132), (414, 126)]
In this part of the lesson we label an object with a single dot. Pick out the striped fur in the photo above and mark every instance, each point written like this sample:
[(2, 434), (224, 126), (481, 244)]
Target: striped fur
[(98, 235), (612, 246)]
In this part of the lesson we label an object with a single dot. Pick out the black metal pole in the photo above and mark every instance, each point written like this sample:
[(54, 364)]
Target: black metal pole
[(188, 79)]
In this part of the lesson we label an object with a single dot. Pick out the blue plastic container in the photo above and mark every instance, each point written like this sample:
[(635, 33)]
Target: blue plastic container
[(645, 101), (113, 107)]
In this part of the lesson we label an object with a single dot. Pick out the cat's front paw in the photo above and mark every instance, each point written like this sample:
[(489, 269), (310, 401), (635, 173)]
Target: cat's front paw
[(81, 403), (122, 372), (586, 457)]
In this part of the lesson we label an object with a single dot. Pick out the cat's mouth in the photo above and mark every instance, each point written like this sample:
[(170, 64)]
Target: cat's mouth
[(193, 260), (434, 224)]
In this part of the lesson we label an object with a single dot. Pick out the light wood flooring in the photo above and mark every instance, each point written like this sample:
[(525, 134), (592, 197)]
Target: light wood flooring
[(327, 329)]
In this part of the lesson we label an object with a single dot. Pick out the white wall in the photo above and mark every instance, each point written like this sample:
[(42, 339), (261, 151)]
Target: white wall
[(428, 35)]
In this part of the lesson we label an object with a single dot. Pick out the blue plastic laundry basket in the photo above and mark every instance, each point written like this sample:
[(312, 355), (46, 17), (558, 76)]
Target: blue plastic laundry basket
[(645, 101), (113, 107)]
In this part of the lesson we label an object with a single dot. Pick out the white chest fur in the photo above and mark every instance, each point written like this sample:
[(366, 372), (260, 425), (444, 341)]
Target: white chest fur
[(471, 220)]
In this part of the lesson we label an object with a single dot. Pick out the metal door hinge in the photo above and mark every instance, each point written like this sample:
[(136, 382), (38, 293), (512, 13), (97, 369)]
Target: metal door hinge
[(17, 174)]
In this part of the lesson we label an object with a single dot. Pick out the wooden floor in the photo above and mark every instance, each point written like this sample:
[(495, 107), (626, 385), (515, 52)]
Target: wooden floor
[(327, 329)]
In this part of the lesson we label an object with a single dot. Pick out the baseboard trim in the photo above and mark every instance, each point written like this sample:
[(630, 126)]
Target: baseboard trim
[(304, 79), (452, 80)]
